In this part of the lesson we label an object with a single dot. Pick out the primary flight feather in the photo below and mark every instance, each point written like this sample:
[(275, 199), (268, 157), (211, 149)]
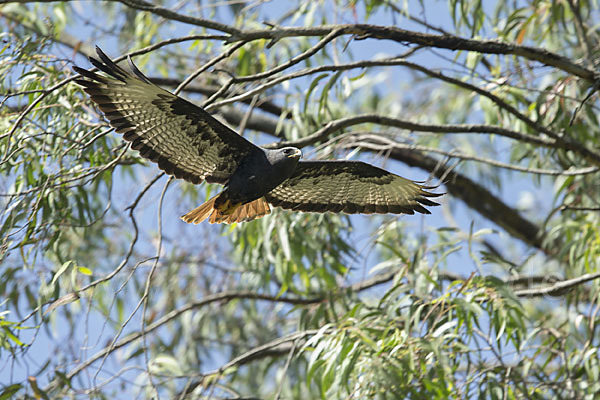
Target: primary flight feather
[(187, 142)]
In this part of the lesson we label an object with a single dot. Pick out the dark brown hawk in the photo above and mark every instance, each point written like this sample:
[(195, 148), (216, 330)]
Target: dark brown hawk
[(189, 143)]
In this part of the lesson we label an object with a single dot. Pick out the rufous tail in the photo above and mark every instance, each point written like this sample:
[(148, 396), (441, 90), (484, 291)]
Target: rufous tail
[(200, 213), (227, 212)]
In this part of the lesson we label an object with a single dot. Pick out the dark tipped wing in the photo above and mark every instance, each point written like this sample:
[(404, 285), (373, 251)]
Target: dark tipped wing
[(350, 187), (182, 138)]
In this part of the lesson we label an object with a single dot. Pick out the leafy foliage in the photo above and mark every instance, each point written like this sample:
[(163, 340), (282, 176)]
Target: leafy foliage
[(106, 294)]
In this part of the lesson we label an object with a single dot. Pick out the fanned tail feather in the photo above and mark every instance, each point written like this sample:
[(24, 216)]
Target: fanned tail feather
[(245, 212), (201, 212)]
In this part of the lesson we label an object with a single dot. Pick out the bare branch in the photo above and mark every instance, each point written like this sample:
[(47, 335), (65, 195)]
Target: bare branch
[(341, 123), (206, 66), (293, 61), (75, 295), (477, 197), (169, 14), (581, 31), (277, 347), (450, 42), (260, 351), (378, 142), (365, 31), (559, 288), (209, 90), (219, 297)]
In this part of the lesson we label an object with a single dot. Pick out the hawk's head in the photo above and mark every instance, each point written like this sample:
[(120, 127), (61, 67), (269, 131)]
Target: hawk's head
[(291, 152), (284, 160)]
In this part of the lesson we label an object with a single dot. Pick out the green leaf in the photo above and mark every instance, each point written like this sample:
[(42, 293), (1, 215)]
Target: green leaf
[(84, 270), (9, 391), (312, 87), (284, 241), (443, 328), (12, 337), (61, 270), (325, 93)]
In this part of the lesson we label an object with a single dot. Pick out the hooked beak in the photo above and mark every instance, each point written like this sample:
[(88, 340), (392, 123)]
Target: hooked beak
[(296, 154)]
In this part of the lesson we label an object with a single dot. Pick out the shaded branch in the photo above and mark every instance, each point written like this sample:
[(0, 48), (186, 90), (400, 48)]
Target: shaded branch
[(209, 90), (566, 141), (365, 31), (559, 288), (223, 297), (476, 197), (263, 350), (274, 348), (335, 125), (169, 14), (450, 42), (370, 140), (581, 30)]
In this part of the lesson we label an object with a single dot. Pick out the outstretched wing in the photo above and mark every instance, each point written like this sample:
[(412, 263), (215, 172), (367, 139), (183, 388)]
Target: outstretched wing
[(350, 187), (182, 138)]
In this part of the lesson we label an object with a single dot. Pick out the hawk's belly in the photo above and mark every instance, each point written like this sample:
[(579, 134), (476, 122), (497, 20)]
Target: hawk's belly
[(244, 189), (257, 175)]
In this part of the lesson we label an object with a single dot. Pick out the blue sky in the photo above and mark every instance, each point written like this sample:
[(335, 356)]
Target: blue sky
[(397, 79)]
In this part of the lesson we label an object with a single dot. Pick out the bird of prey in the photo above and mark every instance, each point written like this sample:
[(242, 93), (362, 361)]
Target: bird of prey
[(187, 142)]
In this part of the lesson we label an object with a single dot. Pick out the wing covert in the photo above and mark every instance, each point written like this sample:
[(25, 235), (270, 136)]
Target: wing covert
[(182, 138), (350, 187)]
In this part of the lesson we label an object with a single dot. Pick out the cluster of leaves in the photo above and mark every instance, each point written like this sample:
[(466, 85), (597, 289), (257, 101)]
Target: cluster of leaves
[(94, 263)]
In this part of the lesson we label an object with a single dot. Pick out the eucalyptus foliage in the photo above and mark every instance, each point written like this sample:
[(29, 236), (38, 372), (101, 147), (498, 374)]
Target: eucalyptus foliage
[(107, 294)]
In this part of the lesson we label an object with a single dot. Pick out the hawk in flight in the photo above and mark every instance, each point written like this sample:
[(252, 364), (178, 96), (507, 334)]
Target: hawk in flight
[(187, 142)]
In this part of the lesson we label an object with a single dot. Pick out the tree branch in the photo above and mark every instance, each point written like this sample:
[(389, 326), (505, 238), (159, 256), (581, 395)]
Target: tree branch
[(365, 140), (209, 90), (335, 125), (559, 288), (365, 31), (169, 14), (477, 197), (277, 347), (223, 297), (450, 42)]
